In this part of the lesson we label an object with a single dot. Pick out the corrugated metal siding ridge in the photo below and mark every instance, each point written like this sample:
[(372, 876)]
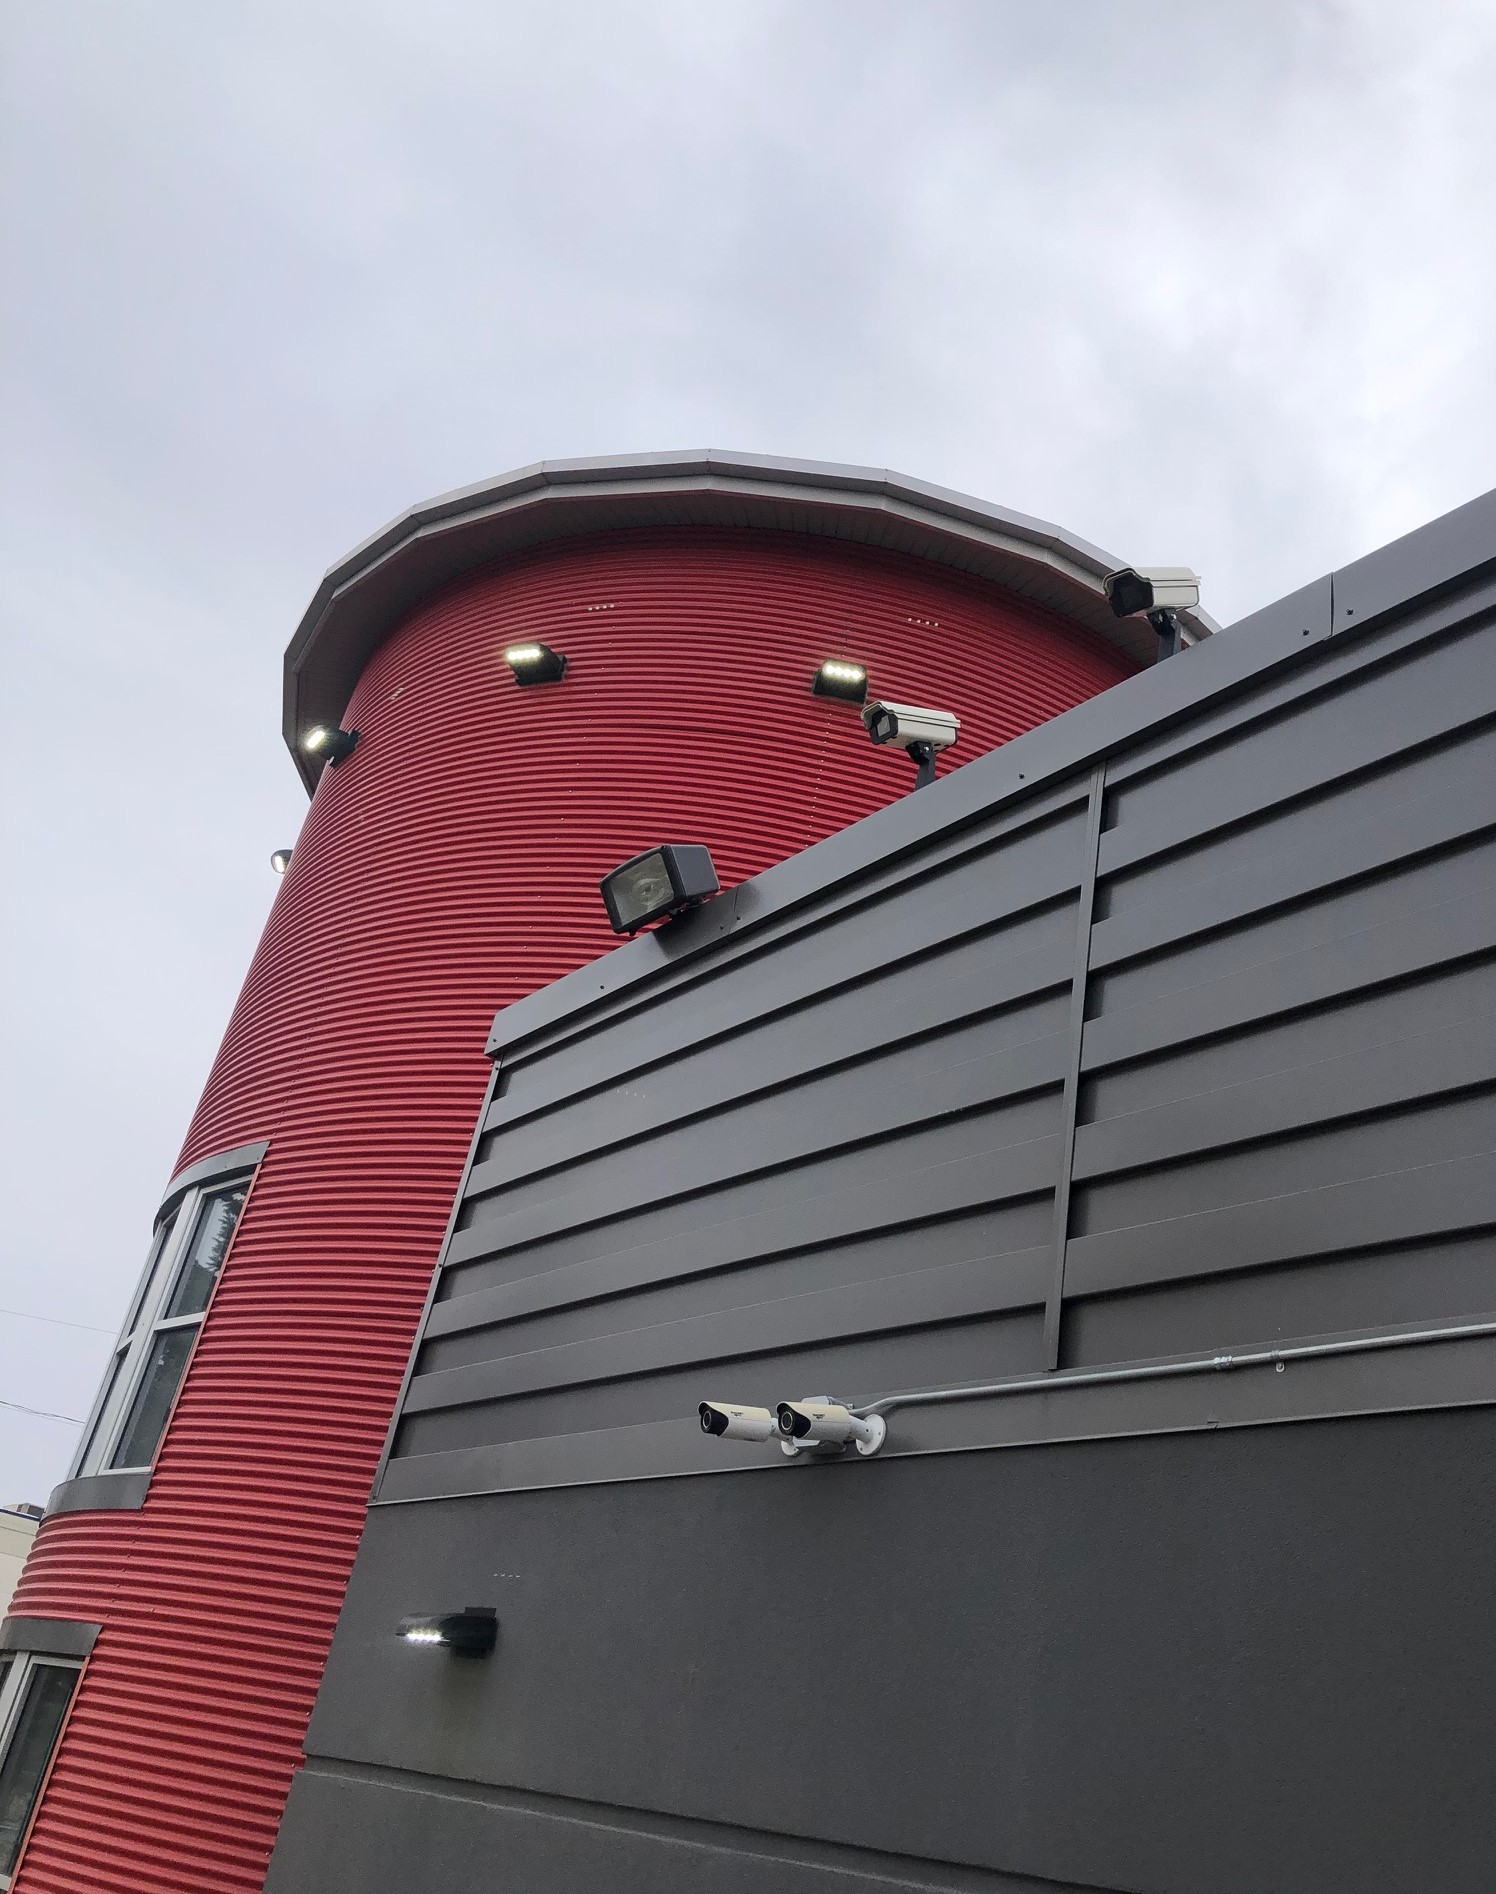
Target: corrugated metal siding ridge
[(448, 867)]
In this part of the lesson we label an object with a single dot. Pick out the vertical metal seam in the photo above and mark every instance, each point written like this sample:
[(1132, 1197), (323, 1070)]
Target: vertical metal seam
[(1075, 1034), (458, 1199)]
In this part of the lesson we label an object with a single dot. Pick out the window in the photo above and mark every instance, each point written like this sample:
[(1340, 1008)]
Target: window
[(34, 1696), (151, 1356)]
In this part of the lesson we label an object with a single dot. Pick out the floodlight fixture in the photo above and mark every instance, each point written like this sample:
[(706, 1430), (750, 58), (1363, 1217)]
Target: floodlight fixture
[(280, 860), (657, 884), (534, 663), (334, 745), (471, 1632), (841, 678)]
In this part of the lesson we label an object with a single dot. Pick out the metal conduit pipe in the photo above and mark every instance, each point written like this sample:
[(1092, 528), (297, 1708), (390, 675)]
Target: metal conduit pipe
[(1166, 1370)]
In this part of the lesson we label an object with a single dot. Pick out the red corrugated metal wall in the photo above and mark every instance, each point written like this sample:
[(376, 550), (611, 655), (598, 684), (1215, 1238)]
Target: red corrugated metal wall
[(450, 865)]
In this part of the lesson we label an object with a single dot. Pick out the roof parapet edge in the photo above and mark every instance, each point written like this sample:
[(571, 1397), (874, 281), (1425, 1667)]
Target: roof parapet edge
[(945, 514)]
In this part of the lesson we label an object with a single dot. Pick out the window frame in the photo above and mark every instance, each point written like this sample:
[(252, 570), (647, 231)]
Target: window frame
[(124, 1375), (14, 1688)]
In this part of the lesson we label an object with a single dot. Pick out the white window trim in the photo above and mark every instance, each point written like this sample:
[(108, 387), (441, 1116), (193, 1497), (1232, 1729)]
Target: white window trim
[(23, 1666), (125, 1370)]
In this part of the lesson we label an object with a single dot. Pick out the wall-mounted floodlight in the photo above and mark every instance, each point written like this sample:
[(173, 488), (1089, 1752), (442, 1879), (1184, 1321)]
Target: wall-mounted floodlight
[(662, 881), (818, 1421), (535, 663), (471, 1632), (1157, 593), (280, 860), (333, 744), (923, 733), (840, 677)]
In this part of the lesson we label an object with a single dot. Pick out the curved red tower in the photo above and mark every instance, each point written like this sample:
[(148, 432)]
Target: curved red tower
[(448, 865)]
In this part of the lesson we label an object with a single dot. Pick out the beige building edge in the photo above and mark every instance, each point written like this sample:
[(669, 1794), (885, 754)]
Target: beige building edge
[(18, 1526)]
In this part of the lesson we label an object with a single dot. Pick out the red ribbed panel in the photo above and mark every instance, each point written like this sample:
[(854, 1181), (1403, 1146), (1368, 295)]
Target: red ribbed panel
[(449, 866)]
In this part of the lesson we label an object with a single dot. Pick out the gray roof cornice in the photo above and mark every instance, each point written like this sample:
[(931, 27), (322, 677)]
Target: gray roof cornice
[(362, 597)]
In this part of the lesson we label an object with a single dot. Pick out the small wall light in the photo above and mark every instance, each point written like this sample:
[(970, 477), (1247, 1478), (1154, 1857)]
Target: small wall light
[(535, 664), (840, 677), (662, 881), (280, 860), (333, 744), (471, 1632)]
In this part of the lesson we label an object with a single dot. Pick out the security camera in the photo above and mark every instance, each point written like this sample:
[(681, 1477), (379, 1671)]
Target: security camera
[(821, 1422), (1158, 592), (729, 1422), (1149, 589), (906, 725), (921, 732)]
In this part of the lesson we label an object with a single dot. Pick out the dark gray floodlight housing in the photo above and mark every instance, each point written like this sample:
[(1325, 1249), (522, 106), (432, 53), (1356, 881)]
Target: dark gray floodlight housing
[(471, 1632), (334, 745), (662, 881), (533, 663), (841, 678)]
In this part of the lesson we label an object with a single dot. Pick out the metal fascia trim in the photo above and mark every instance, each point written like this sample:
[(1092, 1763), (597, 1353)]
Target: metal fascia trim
[(243, 1157), (950, 520), (100, 1493), (49, 1637)]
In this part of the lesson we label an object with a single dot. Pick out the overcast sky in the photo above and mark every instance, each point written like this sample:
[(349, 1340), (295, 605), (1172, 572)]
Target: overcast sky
[(1202, 282)]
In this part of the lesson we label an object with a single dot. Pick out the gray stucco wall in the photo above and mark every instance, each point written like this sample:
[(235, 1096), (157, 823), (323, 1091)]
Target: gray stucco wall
[(1208, 1663)]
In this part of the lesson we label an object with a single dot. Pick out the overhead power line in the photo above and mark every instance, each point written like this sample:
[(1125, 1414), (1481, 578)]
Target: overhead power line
[(42, 1413), (56, 1321)]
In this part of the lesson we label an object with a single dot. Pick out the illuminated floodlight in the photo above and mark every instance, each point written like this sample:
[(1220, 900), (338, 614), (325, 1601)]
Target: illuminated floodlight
[(841, 678), (471, 1632), (334, 745), (535, 663)]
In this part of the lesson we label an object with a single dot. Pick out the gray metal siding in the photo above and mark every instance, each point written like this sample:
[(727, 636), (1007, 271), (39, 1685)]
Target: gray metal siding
[(1193, 1047)]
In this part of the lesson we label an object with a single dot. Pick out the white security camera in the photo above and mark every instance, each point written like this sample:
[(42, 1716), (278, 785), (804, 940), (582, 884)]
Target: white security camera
[(906, 725), (820, 1422), (1149, 589), (729, 1422)]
